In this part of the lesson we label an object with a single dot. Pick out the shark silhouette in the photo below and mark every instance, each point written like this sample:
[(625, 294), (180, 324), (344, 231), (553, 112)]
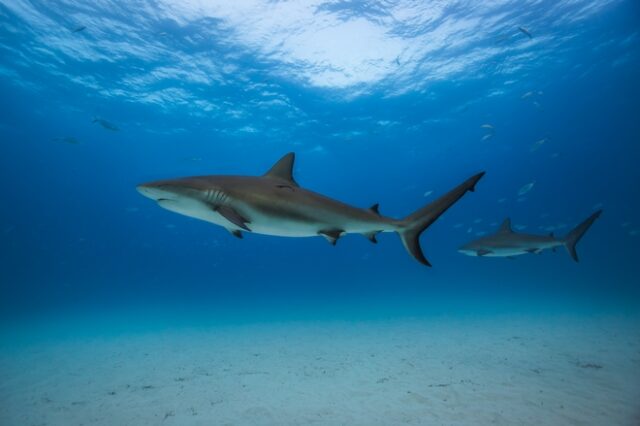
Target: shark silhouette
[(507, 243), (274, 204)]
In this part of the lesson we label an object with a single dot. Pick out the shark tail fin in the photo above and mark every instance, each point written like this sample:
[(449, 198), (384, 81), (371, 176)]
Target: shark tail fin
[(576, 233), (413, 225)]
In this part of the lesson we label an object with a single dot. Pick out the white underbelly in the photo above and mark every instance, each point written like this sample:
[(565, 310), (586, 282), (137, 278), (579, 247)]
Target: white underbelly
[(261, 223)]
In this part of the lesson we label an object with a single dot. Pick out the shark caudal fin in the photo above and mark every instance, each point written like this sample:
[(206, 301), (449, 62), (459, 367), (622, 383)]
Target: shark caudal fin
[(574, 236), (413, 225)]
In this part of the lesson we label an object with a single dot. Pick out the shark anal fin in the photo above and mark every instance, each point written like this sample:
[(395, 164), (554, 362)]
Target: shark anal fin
[(331, 235), (483, 252), (236, 233), (232, 216), (371, 236), (375, 208)]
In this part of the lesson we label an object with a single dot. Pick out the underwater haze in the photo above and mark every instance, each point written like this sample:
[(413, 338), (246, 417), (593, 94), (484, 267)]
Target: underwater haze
[(116, 311)]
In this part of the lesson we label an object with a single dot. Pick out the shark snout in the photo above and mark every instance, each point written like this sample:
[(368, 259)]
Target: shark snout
[(466, 249), (155, 191)]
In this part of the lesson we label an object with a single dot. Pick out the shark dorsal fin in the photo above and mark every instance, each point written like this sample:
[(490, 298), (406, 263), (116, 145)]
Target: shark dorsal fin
[(505, 228), (283, 169), (375, 208)]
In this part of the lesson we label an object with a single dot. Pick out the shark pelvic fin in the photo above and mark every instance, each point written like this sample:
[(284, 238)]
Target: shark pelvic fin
[(236, 233), (283, 169), (505, 228), (534, 251), (375, 208), (331, 235), (483, 252), (232, 216), (371, 236)]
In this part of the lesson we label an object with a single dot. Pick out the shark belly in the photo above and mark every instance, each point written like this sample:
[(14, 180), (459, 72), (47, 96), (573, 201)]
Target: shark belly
[(301, 221), (505, 252), (293, 220)]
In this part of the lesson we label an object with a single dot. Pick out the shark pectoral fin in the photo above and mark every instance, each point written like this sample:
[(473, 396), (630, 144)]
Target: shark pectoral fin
[(236, 233), (331, 235), (233, 216), (483, 252), (371, 236)]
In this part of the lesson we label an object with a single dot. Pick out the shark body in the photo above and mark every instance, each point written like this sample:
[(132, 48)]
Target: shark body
[(274, 204), (507, 243)]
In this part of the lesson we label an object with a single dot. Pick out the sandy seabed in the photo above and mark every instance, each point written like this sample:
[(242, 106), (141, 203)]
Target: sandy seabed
[(508, 370)]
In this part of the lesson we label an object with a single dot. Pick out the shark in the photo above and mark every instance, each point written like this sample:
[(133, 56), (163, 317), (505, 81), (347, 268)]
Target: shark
[(275, 204), (507, 243)]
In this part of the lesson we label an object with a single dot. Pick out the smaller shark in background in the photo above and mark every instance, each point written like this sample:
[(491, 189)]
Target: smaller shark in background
[(105, 124), (507, 243)]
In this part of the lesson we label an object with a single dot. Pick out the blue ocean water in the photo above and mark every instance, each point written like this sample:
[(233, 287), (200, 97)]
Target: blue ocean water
[(383, 102)]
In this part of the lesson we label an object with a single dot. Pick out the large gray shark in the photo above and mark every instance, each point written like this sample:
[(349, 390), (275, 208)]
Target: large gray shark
[(274, 204), (506, 243)]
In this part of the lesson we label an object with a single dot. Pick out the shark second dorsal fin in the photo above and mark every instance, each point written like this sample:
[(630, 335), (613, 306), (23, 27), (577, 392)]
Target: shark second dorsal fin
[(283, 169), (505, 228)]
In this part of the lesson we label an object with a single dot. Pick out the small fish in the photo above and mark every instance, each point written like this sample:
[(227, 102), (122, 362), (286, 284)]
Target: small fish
[(487, 137), (634, 233), (458, 225), (470, 230), (78, 29), (67, 139), (478, 220), (501, 200), (526, 95), (526, 32), (537, 104), (625, 224), (538, 144), (427, 193), (487, 126), (106, 124), (526, 188)]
